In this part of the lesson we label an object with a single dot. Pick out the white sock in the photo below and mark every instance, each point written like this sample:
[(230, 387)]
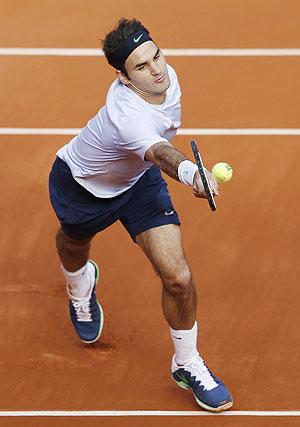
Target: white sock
[(185, 344), (80, 282)]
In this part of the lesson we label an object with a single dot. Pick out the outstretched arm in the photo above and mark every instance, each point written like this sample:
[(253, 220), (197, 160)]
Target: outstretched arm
[(166, 157), (169, 158)]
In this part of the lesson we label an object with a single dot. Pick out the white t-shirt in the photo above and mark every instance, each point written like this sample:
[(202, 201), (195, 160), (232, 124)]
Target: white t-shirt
[(107, 157)]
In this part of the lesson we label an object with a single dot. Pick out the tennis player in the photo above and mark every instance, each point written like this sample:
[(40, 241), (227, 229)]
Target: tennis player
[(112, 171)]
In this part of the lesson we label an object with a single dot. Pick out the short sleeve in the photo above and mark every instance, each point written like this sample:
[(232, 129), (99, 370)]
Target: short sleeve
[(138, 134)]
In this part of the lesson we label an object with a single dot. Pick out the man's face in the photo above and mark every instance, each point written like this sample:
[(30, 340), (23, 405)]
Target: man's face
[(147, 70)]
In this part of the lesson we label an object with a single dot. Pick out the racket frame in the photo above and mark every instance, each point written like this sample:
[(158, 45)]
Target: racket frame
[(203, 176)]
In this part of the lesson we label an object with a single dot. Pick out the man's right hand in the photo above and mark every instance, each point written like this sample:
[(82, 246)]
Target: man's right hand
[(198, 188)]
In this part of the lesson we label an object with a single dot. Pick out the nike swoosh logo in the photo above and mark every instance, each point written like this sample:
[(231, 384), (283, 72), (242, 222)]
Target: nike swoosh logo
[(169, 213), (136, 40), (177, 338)]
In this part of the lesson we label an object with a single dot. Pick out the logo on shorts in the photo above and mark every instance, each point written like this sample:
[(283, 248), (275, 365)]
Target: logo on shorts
[(136, 40), (167, 213)]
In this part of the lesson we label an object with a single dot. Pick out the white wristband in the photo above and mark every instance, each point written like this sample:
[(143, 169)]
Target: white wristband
[(186, 172)]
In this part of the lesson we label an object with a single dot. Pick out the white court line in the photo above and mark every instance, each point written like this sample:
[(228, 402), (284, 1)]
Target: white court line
[(243, 131), (186, 131), (147, 414), (17, 51)]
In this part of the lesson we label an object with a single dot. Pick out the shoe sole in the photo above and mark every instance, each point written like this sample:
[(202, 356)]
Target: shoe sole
[(100, 308), (203, 405)]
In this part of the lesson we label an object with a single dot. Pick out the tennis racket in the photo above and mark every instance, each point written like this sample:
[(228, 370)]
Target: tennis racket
[(205, 182)]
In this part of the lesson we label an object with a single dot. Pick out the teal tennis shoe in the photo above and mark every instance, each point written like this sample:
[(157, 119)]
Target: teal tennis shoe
[(210, 393), (86, 313)]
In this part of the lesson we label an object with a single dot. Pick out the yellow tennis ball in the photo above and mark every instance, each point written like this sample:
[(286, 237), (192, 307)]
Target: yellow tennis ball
[(222, 172)]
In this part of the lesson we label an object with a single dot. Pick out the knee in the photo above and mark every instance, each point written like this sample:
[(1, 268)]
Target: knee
[(179, 282), (71, 246)]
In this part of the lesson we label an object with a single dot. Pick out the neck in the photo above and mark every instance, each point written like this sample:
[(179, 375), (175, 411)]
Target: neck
[(147, 96)]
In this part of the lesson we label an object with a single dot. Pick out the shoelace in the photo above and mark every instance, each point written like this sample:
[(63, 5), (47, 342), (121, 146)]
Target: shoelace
[(82, 309), (198, 369)]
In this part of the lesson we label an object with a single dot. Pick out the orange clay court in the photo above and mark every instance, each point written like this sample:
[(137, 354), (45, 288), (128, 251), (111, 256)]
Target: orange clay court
[(244, 257)]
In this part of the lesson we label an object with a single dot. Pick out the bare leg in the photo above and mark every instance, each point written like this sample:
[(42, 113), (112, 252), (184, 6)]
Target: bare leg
[(163, 246), (73, 254)]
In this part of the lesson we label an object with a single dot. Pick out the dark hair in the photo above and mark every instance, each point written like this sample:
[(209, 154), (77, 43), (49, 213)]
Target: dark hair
[(114, 38)]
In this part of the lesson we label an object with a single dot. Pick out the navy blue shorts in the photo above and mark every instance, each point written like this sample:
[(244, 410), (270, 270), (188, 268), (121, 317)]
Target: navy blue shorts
[(145, 205)]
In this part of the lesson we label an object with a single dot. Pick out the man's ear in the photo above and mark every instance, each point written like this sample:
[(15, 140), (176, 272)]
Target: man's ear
[(123, 79)]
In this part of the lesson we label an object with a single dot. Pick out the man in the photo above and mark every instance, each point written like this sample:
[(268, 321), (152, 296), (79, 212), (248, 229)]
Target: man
[(110, 172)]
